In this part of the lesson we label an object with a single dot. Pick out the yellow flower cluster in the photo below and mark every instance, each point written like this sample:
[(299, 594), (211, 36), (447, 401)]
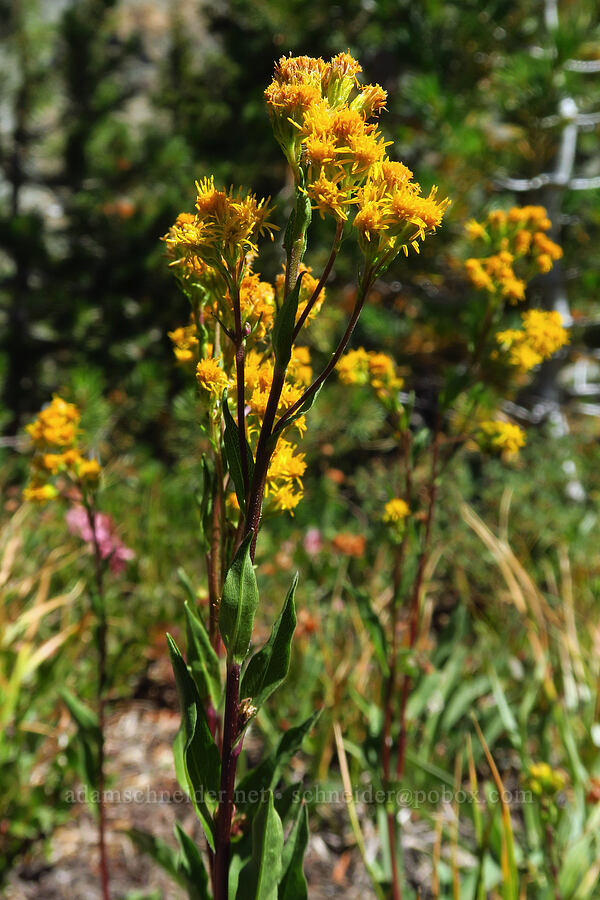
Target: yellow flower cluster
[(225, 227), (284, 479), (369, 367), (541, 336), (54, 433), (515, 240), (211, 376), (396, 511), (320, 116), (544, 780), (185, 343), (501, 437)]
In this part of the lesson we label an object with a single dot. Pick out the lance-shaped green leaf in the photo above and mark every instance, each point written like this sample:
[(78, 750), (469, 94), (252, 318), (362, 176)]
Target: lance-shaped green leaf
[(231, 440), (199, 755), (283, 327), (376, 631), (260, 877), (293, 882), (202, 659), (269, 667), (204, 499), (88, 740), (191, 867), (302, 410), (266, 775), (162, 854), (238, 604)]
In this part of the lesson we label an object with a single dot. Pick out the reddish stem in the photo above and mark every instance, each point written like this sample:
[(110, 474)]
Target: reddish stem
[(229, 756), (101, 629), (416, 595)]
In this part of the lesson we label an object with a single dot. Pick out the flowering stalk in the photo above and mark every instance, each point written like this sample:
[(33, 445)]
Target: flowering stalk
[(98, 602), (320, 116), (59, 470)]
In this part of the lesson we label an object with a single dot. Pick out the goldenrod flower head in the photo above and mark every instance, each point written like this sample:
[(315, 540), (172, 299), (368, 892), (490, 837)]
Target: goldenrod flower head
[(353, 367), (544, 331), (40, 493), (54, 432), (286, 498), (89, 469), (228, 224), (394, 174), (55, 425), (211, 377), (328, 197), (382, 372), (518, 247), (286, 463), (393, 214), (544, 780), (396, 510), (299, 367), (501, 437), (370, 100), (284, 477), (318, 125), (185, 343), (541, 336), (475, 230)]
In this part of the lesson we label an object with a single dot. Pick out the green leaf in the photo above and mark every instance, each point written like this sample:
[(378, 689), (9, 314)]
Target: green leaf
[(260, 877), (238, 604), (374, 628), (266, 775), (293, 883), (231, 440), (191, 866), (200, 755), (88, 741), (306, 406), (202, 659), (85, 718), (283, 327), (269, 667), (185, 582), (158, 850)]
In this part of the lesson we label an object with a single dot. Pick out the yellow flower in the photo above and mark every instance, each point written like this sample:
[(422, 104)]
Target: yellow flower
[(370, 100), (396, 510), (89, 469), (327, 196), (55, 425), (257, 302), (475, 230), (353, 367), (185, 343), (501, 437), (40, 493), (286, 463), (286, 498), (541, 336), (299, 367), (382, 371), (228, 224), (211, 376)]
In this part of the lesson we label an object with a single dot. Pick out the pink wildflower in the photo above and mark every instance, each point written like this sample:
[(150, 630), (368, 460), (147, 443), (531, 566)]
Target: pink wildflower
[(110, 545)]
